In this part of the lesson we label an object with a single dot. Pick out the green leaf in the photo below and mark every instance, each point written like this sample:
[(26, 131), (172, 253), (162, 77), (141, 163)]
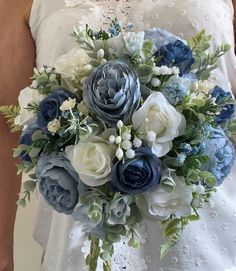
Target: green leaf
[(10, 112), (172, 241), (134, 243), (21, 202), (29, 186), (172, 227), (34, 152)]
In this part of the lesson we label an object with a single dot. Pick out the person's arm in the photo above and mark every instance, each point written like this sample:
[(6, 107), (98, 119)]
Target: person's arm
[(234, 3), (17, 55)]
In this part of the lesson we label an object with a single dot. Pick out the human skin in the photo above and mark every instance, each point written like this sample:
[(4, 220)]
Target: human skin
[(17, 56), (17, 59)]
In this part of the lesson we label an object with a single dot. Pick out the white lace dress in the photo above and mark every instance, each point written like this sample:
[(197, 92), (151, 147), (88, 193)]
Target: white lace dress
[(209, 244)]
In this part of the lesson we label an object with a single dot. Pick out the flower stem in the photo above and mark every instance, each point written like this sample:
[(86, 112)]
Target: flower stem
[(93, 256)]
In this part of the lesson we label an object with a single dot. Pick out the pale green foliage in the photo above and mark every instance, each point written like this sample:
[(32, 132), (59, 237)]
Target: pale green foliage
[(205, 62), (28, 188), (10, 112)]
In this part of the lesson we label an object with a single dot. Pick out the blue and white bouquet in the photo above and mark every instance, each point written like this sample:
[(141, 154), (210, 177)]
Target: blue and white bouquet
[(127, 125)]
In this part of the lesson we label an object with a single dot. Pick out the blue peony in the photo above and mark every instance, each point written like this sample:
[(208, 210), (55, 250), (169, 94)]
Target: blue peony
[(227, 112), (113, 92), (176, 54), (160, 37), (220, 151), (49, 108), (58, 182), (26, 139), (138, 175), (175, 89)]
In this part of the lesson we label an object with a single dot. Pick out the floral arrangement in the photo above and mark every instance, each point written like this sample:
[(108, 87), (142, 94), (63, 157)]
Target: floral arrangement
[(125, 126)]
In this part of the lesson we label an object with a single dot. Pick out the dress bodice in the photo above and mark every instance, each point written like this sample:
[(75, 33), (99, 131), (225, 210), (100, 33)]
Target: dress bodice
[(206, 243), (52, 21)]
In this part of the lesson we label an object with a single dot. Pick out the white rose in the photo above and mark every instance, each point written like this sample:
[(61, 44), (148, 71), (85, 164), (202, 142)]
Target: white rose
[(92, 159), (27, 96), (54, 125), (161, 204), (68, 104), (71, 63), (159, 116)]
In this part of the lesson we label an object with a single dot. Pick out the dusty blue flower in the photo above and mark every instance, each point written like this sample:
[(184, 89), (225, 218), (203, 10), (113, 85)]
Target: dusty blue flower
[(227, 112), (175, 89), (58, 182), (113, 92), (49, 108), (138, 175), (220, 151), (160, 37), (82, 213), (176, 54), (119, 210), (26, 139)]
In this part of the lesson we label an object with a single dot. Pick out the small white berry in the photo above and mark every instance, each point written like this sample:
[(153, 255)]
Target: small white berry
[(151, 136), (126, 145), (126, 136), (118, 139), (103, 61), (119, 153), (155, 82), (130, 154), (100, 54), (112, 139), (137, 143), (88, 67), (120, 124)]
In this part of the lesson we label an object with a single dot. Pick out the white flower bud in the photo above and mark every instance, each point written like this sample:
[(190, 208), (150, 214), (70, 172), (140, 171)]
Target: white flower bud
[(137, 143), (151, 136), (118, 139), (53, 126), (112, 139), (88, 67), (119, 153), (155, 82), (126, 145), (103, 61), (100, 54), (126, 136), (120, 124), (68, 104), (130, 154)]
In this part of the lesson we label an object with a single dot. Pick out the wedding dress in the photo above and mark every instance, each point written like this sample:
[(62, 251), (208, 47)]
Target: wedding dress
[(209, 244)]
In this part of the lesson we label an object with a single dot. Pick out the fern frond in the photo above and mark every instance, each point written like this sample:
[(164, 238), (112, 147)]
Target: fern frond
[(10, 112), (171, 242)]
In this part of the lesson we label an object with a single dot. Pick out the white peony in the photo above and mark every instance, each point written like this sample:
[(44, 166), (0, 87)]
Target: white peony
[(160, 117), (161, 205), (92, 160), (72, 63), (27, 96)]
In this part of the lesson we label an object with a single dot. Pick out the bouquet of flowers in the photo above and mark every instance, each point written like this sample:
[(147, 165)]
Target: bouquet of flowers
[(126, 125)]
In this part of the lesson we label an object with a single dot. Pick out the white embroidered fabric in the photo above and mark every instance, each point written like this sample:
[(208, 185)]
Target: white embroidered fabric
[(209, 244)]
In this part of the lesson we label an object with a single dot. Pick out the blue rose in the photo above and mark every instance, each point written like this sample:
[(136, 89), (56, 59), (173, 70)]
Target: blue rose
[(138, 175), (220, 151), (58, 182), (175, 89), (160, 37), (176, 54), (113, 92), (49, 108), (119, 210), (26, 139), (227, 112)]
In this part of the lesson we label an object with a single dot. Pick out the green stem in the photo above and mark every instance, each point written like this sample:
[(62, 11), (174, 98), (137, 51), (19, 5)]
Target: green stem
[(93, 256)]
